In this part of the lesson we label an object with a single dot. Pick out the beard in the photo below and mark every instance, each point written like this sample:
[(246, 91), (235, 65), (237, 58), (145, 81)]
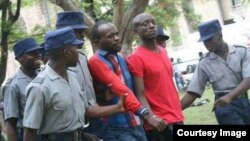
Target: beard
[(33, 65)]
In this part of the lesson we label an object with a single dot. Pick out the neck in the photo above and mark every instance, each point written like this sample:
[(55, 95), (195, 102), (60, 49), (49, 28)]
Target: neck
[(31, 73), (59, 67), (222, 49), (150, 44)]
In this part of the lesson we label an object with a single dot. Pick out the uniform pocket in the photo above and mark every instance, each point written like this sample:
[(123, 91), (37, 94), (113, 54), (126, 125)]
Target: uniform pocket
[(216, 77), (60, 105)]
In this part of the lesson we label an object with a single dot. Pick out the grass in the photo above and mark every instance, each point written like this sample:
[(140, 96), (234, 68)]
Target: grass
[(201, 115)]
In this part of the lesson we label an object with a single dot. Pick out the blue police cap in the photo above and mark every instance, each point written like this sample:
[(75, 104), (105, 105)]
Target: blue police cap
[(25, 46), (208, 29), (60, 38), (160, 32), (71, 18)]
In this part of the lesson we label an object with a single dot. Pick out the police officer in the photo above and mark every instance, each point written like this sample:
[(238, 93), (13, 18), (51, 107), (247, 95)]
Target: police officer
[(28, 54), (56, 106), (161, 37), (227, 68), (75, 20)]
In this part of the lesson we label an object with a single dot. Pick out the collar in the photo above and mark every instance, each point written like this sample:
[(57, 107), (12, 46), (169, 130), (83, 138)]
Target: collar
[(231, 49), (102, 52), (51, 73), (22, 75)]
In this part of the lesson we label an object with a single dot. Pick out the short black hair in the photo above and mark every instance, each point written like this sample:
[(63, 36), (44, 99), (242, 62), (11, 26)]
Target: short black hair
[(94, 31)]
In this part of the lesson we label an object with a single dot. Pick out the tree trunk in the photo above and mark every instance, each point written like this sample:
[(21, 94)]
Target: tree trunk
[(7, 21), (4, 44), (118, 14), (70, 5), (125, 27), (127, 33)]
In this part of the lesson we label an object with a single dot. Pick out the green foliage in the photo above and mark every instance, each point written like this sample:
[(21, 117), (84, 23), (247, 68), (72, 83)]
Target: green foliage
[(190, 15), (17, 32), (166, 14), (201, 114), (102, 9), (38, 33), (29, 2)]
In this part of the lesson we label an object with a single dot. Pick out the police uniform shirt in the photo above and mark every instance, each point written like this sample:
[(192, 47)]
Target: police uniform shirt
[(54, 105), (223, 75), (14, 96), (84, 78)]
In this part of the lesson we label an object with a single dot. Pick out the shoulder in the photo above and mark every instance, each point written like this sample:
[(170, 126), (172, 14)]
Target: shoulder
[(204, 57), (82, 53), (9, 80), (242, 50), (38, 80), (94, 60)]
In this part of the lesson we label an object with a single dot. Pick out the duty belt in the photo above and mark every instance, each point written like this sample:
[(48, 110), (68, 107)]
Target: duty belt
[(66, 136), (223, 94)]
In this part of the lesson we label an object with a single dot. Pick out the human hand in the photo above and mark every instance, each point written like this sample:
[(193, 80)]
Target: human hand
[(120, 104), (108, 94), (223, 101), (155, 121)]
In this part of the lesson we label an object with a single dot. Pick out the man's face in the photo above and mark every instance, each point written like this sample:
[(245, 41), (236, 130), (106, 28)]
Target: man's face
[(71, 55), (80, 35), (213, 43), (109, 39), (161, 41), (146, 28), (31, 61)]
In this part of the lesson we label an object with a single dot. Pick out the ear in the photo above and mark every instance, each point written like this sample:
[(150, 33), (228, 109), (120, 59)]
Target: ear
[(66, 52), (20, 58)]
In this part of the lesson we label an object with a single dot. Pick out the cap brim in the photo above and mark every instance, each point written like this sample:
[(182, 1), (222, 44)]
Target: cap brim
[(34, 49), (205, 37), (29, 50), (79, 26), (165, 37), (77, 42)]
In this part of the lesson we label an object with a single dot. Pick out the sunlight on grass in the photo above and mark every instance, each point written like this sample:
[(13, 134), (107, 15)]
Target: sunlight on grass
[(201, 114)]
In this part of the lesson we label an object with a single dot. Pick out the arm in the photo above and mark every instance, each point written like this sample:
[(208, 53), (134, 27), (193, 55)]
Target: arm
[(243, 86), (187, 100), (102, 74), (11, 129), (239, 90), (151, 119), (29, 134), (11, 111), (102, 111)]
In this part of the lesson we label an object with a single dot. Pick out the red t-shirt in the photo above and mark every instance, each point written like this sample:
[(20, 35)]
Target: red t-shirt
[(160, 91)]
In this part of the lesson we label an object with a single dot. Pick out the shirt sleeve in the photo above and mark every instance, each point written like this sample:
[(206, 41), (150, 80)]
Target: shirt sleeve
[(198, 82), (34, 108), (11, 102), (101, 73), (246, 64), (135, 66)]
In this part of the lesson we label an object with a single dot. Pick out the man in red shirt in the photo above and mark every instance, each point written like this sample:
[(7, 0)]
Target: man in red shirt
[(109, 71), (152, 71)]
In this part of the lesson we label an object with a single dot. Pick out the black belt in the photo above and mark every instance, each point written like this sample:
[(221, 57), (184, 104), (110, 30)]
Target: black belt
[(66, 136), (245, 95)]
